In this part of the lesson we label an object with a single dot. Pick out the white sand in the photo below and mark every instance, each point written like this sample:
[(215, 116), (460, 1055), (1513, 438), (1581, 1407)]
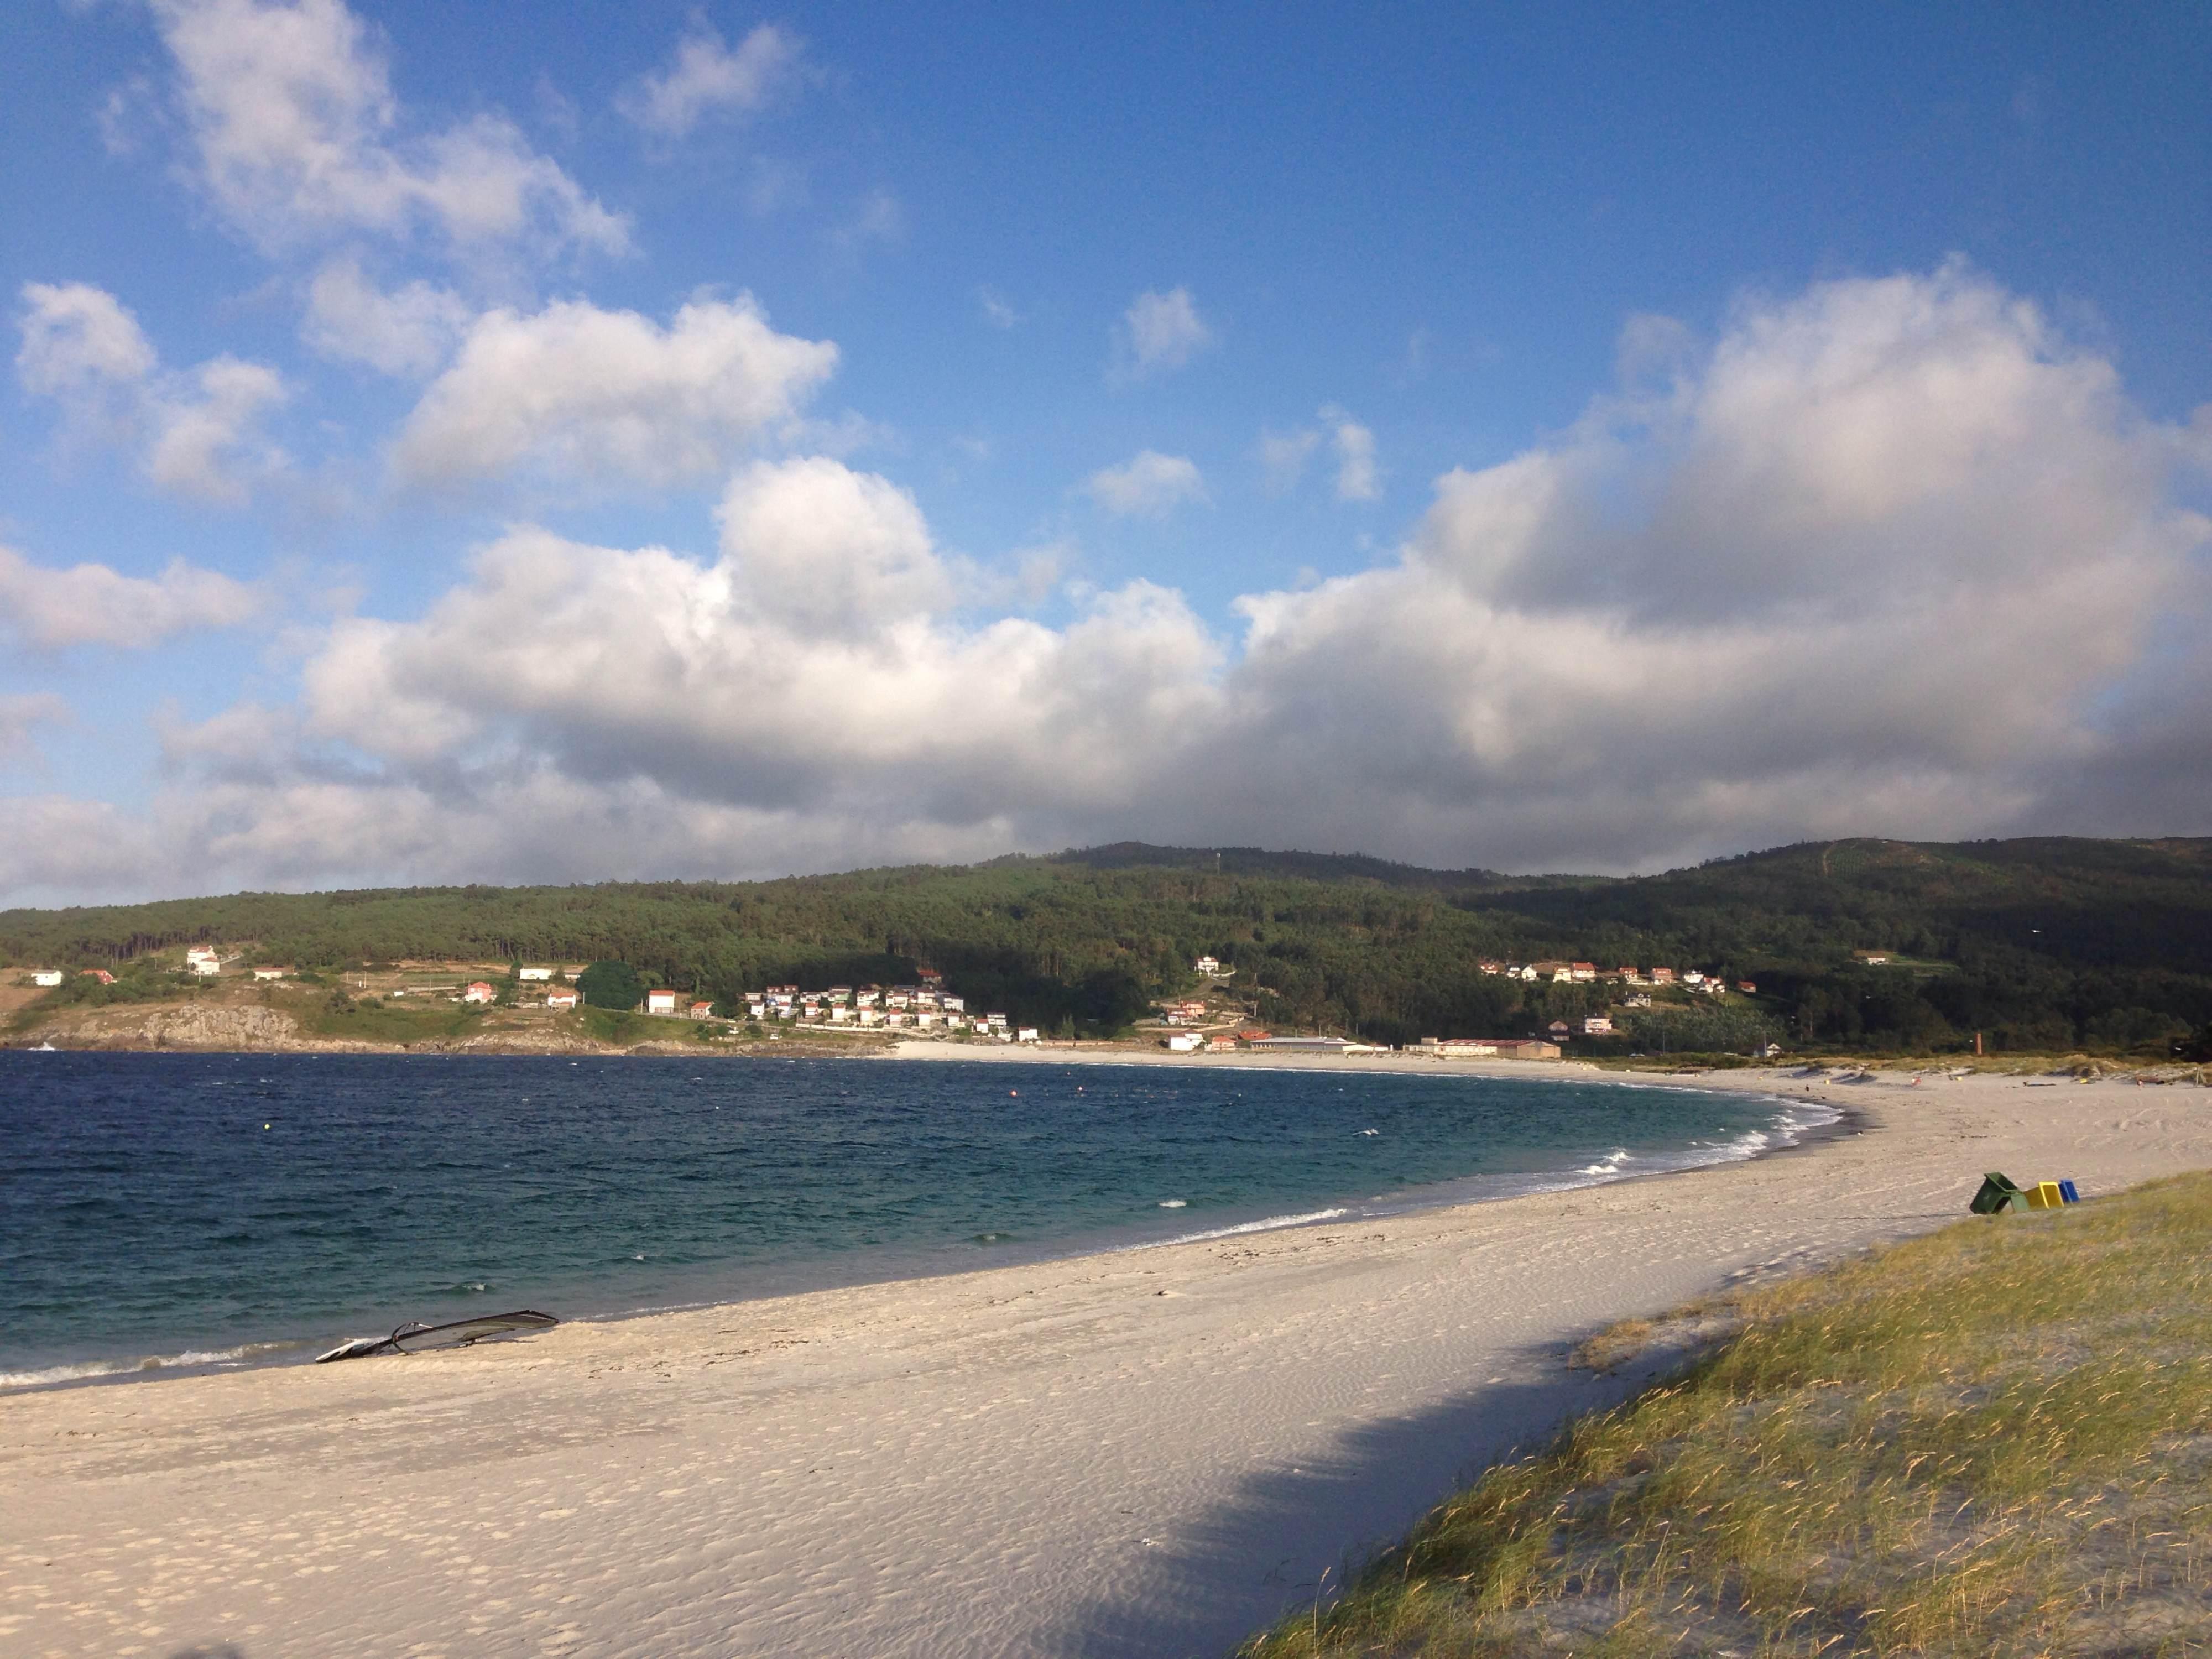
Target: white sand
[(1148, 1453)]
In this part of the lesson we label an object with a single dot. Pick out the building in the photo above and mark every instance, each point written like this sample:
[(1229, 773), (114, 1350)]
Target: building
[(45, 976), (1224, 1044), (1181, 1042), (1584, 973), (931, 979), (1026, 1034), (534, 973), (477, 991), (200, 959), (1559, 1031), (660, 1002), (1748, 987), (272, 973), (561, 998), (1662, 975), (702, 1011), (1559, 972), (1871, 959), (1301, 1045), (1460, 1048), (1597, 1026), (1490, 967), (1526, 1049), (100, 974)]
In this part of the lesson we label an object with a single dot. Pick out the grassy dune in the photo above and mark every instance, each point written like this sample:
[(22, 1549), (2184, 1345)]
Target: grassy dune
[(1997, 1438)]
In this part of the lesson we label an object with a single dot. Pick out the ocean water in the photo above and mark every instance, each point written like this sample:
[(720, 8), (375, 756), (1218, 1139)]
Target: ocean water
[(167, 1211)]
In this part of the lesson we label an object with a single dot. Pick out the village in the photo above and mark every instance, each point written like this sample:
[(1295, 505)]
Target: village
[(1216, 1022)]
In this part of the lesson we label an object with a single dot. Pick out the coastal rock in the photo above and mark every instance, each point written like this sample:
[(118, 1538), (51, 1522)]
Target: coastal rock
[(168, 1025)]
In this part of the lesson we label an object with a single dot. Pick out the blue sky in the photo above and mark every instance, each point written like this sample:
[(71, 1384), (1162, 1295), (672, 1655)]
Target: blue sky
[(1534, 438)]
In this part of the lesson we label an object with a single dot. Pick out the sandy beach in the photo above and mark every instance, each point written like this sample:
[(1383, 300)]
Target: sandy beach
[(1150, 1452)]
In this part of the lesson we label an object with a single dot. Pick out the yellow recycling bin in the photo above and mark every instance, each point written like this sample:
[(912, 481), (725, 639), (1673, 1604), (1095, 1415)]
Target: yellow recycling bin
[(2044, 1195)]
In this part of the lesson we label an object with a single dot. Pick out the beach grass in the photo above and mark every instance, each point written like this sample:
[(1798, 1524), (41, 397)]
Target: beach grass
[(1995, 1438)]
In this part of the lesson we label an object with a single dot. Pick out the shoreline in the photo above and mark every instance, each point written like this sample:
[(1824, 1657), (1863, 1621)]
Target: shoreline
[(1150, 1452), (281, 1354)]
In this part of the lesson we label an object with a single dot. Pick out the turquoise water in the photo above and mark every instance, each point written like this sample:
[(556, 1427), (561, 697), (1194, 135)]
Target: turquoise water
[(165, 1211)]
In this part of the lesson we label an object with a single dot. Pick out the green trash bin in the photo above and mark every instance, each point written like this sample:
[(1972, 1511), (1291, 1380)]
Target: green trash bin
[(1997, 1193)]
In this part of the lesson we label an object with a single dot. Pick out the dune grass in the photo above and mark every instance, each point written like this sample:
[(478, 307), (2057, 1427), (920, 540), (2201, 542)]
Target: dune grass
[(1997, 1438)]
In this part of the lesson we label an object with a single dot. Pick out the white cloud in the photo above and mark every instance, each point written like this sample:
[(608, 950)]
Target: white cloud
[(53, 609), (206, 441), (708, 79), (996, 310), (78, 339), (198, 431), (1888, 557), (297, 137), (1356, 476), (21, 715), (591, 398), (1149, 484), (408, 332), (1161, 333), (1283, 459)]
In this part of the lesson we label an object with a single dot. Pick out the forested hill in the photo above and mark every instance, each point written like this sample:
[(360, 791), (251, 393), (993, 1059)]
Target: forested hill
[(2042, 943)]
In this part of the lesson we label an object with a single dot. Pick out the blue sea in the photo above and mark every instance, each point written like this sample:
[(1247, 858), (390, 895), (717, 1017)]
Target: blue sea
[(161, 1213)]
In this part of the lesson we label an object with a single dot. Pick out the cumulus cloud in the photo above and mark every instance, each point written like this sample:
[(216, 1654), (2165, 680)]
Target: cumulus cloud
[(54, 608), (585, 396), (408, 332), (708, 79), (1149, 485), (1357, 479), (1887, 556), (21, 715), (297, 136), (199, 432), (1160, 333)]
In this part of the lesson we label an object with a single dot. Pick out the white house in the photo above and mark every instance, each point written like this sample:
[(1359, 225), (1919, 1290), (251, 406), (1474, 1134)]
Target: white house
[(660, 1002), (272, 973), (477, 991), (537, 973), (1183, 1042), (1597, 1026), (953, 1004), (46, 976), (1027, 1034), (200, 959), (561, 998)]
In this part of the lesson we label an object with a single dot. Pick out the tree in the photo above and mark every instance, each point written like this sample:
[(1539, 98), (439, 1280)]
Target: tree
[(610, 985)]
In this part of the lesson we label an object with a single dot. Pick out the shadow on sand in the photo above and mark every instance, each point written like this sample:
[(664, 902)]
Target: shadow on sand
[(1289, 1536)]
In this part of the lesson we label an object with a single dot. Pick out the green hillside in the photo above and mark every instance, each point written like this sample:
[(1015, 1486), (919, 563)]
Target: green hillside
[(2041, 945)]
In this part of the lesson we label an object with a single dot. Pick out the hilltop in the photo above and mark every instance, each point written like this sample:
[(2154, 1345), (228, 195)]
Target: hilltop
[(2041, 944)]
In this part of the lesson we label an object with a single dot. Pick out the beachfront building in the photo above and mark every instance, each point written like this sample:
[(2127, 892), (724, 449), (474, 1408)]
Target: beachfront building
[(1302, 1045), (477, 991), (1460, 1048)]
